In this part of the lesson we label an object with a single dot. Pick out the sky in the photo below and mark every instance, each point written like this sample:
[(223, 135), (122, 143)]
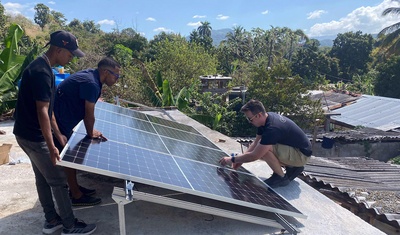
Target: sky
[(150, 17)]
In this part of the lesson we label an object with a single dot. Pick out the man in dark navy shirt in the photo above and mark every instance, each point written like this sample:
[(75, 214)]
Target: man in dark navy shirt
[(279, 142), (75, 99)]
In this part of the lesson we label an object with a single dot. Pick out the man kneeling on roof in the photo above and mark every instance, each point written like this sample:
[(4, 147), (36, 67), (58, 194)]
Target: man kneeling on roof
[(279, 142)]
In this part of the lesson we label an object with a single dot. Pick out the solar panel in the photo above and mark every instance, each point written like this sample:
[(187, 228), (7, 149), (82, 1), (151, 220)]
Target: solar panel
[(146, 150)]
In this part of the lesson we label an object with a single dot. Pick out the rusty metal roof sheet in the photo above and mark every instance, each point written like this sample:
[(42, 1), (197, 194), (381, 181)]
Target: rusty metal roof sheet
[(371, 111), (355, 173), (333, 99)]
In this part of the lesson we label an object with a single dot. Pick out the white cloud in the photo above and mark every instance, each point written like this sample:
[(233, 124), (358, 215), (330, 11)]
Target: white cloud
[(198, 17), (106, 21), (194, 24), (365, 19), (315, 14), (14, 8), (150, 19), (51, 2), (162, 29), (265, 12), (222, 17)]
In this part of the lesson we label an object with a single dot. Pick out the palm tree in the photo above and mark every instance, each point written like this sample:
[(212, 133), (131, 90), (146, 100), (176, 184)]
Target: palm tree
[(204, 29), (389, 37)]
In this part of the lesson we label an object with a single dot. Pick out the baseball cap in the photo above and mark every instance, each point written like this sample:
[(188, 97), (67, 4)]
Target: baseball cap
[(64, 39)]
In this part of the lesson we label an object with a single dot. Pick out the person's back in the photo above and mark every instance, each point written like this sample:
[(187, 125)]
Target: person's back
[(72, 93)]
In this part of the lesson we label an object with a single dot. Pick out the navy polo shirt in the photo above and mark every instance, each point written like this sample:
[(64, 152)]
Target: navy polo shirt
[(69, 106)]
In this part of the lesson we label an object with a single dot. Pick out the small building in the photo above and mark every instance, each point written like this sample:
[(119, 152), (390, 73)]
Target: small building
[(216, 84)]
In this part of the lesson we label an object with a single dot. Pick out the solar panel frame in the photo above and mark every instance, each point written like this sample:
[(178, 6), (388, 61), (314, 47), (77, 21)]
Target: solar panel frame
[(228, 180)]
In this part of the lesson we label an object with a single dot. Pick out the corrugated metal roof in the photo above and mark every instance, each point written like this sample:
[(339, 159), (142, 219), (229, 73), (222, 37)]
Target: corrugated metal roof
[(352, 174), (369, 134), (371, 111), (333, 99)]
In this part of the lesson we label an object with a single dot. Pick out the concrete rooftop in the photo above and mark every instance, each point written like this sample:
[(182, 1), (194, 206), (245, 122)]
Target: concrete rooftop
[(21, 213)]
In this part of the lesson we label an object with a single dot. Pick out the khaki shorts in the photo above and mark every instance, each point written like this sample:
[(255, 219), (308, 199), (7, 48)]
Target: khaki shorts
[(289, 156)]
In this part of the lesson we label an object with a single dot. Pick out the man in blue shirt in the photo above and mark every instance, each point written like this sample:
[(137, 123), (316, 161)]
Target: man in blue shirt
[(279, 142), (75, 100)]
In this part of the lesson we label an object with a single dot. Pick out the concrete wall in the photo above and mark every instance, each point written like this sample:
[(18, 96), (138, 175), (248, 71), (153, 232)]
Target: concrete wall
[(382, 151)]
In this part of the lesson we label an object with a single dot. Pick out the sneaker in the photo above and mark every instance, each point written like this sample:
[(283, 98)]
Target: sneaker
[(79, 227), (85, 200), (273, 177), (293, 172), (277, 181), (50, 228), (87, 191)]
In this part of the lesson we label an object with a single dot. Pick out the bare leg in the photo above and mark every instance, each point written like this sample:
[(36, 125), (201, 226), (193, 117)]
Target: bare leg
[(73, 182), (274, 163)]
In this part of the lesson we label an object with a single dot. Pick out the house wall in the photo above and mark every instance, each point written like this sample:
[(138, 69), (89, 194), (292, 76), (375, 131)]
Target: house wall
[(382, 151)]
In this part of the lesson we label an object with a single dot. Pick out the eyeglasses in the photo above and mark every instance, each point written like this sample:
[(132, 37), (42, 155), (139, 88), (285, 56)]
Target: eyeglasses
[(250, 120), (116, 75)]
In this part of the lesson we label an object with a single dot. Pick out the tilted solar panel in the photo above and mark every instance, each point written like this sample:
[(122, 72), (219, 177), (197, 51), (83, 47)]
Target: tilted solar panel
[(171, 157)]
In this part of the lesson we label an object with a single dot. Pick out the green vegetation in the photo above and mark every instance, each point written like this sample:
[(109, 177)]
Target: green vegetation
[(275, 65), (396, 160)]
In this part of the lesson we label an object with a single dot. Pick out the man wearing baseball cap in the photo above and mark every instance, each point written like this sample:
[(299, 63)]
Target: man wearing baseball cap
[(66, 40), (33, 128)]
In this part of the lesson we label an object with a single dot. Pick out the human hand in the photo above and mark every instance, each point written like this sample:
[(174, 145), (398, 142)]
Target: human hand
[(235, 166), (98, 135), (225, 160), (54, 155)]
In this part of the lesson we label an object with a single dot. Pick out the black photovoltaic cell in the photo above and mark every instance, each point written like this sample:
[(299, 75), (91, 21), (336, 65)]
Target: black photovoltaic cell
[(123, 120), (172, 124), (124, 161), (193, 152), (170, 157), (119, 110), (126, 135), (184, 136), (231, 184)]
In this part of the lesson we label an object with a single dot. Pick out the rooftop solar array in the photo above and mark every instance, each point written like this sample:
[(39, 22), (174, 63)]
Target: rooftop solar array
[(166, 154)]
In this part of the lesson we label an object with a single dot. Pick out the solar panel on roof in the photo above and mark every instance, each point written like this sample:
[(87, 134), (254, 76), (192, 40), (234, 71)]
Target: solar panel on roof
[(166, 157)]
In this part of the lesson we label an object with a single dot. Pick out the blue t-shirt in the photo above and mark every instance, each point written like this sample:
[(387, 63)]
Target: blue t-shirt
[(69, 106), (279, 129)]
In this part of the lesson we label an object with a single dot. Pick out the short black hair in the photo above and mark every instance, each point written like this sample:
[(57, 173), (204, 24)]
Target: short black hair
[(254, 106), (108, 62)]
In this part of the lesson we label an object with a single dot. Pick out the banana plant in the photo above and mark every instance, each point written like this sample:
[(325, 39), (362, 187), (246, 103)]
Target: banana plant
[(11, 60)]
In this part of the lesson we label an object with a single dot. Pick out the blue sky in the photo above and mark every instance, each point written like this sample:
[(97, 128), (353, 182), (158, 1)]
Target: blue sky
[(150, 17)]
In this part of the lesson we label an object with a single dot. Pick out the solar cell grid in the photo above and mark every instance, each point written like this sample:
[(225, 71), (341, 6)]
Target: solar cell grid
[(193, 152), (173, 159), (172, 124), (120, 110), (123, 161), (232, 185), (184, 136), (126, 135)]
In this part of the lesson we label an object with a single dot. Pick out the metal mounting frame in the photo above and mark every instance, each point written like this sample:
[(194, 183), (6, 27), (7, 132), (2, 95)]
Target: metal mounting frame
[(194, 203)]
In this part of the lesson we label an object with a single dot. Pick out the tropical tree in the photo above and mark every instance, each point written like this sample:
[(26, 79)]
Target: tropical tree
[(389, 37), (354, 53), (11, 64), (204, 35), (388, 79), (310, 64), (181, 63), (58, 18), (204, 29), (42, 15), (283, 93), (3, 21)]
